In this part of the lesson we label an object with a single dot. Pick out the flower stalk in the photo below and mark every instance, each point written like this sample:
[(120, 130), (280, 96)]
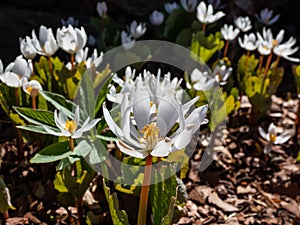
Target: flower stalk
[(247, 60), (261, 59), (226, 48), (268, 65), (144, 192)]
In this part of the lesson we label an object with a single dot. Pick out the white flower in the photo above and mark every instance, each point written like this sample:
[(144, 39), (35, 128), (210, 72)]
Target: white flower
[(156, 18), (46, 43), (221, 73), (93, 60), (16, 71), (243, 23), (71, 39), (137, 30), (127, 40), (169, 7), (205, 13), (70, 127), (71, 20), (32, 87), (286, 49), (265, 17), (189, 5), (272, 137), (267, 41), (229, 33), (102, 9), (202, 81), (249, 42), (146, 131), (26, 47)]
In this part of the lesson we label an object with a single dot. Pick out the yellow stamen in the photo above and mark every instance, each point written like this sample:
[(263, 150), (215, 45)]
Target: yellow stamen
[(70, 126), (273, 138), (29, 89), (274, 42), (149, 136)]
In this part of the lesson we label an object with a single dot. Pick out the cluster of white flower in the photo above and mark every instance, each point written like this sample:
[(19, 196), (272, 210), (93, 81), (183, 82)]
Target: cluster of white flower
[(69, 39), (266, 44), (156, 106), (134, 31)]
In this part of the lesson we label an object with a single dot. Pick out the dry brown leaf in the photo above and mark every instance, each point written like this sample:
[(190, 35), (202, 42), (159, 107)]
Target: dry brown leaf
[(216, 200)]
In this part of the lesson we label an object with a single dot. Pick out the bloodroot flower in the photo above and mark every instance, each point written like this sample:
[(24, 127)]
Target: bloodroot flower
[(146, 124), (272, 137), (46, 43), (32, 87), (205, 14), (71, 39), (15, 72), (70, 127)]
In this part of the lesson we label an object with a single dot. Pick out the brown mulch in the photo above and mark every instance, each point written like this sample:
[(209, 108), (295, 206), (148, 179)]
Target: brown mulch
[(241, 186)]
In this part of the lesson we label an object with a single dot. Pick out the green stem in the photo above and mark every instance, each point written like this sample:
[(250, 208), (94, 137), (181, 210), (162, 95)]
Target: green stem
[(277, 61), (144, 192)]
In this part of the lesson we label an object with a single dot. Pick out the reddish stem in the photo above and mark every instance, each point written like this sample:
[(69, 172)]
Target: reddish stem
[(144, 192), (226, 48)]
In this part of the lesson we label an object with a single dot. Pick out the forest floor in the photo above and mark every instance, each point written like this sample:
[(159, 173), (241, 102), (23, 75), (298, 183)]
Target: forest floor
[(241, 186)]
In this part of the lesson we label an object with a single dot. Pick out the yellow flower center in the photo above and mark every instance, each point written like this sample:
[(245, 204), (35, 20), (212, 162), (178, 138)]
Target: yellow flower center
[(273, 138), (29, 89), (149, 136), (274, 42), (70, 126)]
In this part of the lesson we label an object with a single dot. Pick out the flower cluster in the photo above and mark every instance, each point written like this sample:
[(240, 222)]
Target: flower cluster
[(156, 107)]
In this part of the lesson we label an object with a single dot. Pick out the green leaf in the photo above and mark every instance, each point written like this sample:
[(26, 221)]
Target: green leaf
[(59, 102), (33, 128), (5, 203), (184, 37), (161, 194), (119, 217), (85, 96), (102, 94), (175, 23), (167, 220), (92, 150), (52, 153), (36, 116)]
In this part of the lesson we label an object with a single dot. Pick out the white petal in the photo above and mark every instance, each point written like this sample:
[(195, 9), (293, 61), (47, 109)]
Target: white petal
[(11, 79), (55, 133), (131, 151), (141, 107), (268, 148), (263, 134), (163, 148), (183, 138), (111, 123), (168, 113), (284, 137)]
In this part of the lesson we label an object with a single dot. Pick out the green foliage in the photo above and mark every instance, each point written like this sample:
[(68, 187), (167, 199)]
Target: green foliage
[(163, 195), (176, 25), (59, 102), (119, 217), (52, 153), (36, 116), (296, 72), (205, 47), (5, 203), (73, 186)]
